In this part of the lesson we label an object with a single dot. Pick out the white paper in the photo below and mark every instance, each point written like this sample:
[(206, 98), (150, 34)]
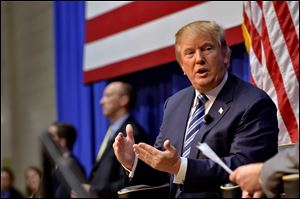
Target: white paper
[(208, 152)]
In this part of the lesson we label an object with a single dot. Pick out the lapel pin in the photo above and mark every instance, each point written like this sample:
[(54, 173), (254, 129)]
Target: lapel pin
[(220, 110)]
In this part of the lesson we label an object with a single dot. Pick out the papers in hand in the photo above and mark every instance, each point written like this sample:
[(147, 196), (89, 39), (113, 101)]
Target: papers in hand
[(208, 152)]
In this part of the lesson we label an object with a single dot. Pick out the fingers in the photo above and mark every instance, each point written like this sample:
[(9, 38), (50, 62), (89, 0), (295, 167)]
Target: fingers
[(143, 149), (236, 175), (245, 194), (118, 140), (232, 176), (117, 145), (169, 147), (147, 154), (257, 194), (73, 194), (129, 132)]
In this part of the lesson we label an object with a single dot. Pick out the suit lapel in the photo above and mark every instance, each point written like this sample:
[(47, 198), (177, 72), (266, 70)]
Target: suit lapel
[(184, 110), (219, 108)]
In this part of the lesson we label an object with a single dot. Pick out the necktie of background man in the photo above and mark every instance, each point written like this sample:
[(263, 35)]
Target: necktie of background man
[(104, 144)]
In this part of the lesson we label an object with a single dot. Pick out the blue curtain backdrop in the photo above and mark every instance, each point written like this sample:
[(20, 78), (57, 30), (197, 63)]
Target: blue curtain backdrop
[(78, 104)]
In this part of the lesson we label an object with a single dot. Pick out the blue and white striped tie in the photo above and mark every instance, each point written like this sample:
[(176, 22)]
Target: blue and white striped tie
[(196, 122)]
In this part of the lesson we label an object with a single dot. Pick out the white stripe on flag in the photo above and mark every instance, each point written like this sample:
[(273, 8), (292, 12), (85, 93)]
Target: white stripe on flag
[(276, 71), (283, 59), (95, 8), (156, 34)]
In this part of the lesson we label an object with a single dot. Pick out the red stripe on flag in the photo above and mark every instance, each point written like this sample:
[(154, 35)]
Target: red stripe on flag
[(256, 45), (283, 101), (255, 37), (260, 4), (134, 64), (289, 32), (252, 79), (246, 19), (148, 60), (140, 12)]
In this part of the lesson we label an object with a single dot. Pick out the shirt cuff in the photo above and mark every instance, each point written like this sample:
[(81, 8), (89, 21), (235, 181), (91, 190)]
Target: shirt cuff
[(131, 173), (180, 176)]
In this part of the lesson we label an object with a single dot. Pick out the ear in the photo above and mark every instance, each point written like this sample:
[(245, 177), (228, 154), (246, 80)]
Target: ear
[(227, 55), (124, 100), (182, 68)]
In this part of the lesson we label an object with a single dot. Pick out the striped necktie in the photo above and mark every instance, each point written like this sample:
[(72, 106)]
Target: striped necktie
[(196, 122)]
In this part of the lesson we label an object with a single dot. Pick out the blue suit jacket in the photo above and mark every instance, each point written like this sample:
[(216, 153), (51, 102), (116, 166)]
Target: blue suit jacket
[(246, 131)]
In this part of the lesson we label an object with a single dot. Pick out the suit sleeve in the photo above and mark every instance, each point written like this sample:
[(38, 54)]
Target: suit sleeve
[(285, 162)]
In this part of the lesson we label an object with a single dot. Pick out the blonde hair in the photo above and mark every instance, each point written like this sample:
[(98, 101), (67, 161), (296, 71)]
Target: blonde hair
[(200, 28)]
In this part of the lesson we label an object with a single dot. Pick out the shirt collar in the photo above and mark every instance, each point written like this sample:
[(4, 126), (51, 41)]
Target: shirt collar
[(117, 124)]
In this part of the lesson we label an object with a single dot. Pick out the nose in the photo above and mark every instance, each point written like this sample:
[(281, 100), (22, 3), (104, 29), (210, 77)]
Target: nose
[(101, 101), (199, 58)]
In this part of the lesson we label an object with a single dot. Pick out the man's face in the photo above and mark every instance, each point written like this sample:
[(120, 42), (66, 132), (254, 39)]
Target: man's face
[(110, 100), (6, 181), (203, 61), (53, 131)]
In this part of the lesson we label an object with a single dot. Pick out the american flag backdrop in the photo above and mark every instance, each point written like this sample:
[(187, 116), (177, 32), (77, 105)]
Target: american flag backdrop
[(271, 32), (128, 36)]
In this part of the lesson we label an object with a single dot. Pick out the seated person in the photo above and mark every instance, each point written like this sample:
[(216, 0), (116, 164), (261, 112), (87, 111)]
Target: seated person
[(33, 178), (265, 177), (7, 184), (237, 120)]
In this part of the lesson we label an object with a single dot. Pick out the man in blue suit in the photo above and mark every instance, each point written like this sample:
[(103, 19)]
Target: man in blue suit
[(237, 120)]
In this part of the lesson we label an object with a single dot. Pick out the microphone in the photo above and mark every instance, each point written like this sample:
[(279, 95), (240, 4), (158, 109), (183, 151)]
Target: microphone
[(207, 119)]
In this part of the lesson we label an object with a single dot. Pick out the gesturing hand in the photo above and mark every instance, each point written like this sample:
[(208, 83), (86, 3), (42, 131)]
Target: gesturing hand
[(247, 176), (167, 161), (123, 148)]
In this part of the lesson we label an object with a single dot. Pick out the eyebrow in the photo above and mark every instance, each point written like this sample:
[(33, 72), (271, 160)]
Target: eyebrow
[(188, 49), (207, 44)]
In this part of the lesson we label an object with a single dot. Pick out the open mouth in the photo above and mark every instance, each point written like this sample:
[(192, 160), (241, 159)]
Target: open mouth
[(202, 71)]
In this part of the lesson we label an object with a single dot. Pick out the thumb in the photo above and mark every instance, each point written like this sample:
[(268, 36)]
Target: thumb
[(168, 146), (129, 132)]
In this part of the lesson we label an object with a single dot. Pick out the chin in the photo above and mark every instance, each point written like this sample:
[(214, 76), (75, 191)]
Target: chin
[(202, 86)]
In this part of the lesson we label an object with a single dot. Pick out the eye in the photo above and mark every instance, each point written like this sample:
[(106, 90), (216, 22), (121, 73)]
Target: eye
[(189, 53), (207, 50)]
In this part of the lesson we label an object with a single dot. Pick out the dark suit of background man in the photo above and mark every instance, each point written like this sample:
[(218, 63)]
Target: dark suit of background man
[(240, 123), (107, 175)]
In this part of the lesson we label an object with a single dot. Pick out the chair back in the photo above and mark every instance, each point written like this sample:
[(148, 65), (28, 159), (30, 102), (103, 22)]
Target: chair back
[(291, 185), (145, 191), (231, 190), (283, 147)]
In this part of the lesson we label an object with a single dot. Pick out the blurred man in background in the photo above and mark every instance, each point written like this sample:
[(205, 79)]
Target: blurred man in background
[(64, 136), (107, 175)]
